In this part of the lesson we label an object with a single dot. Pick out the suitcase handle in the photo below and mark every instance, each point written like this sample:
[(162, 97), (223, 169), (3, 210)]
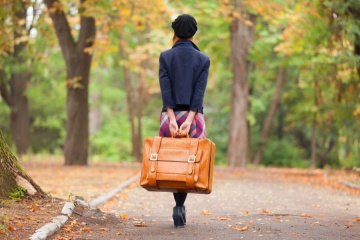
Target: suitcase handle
[(179, 134)]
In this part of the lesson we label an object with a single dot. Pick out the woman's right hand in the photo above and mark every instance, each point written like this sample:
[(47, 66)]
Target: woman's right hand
[(173, 126)]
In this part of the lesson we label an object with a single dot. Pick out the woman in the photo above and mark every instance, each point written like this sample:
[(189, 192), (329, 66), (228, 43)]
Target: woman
[(183, 76)]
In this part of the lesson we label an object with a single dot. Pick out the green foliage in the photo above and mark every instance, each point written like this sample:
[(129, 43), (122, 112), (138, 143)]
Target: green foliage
[(111, 142), (18, 193), (284, 154)]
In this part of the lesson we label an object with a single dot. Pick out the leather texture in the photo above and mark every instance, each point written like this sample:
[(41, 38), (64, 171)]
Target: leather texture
[(178, 164)]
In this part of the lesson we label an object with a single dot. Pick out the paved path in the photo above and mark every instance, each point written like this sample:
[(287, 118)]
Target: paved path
[(244, 206)]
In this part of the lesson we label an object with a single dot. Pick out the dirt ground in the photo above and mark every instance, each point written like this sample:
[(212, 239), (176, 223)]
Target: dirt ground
[(248, 204), (19, 220)]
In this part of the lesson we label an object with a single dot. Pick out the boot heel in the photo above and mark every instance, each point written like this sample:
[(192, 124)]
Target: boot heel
[(177, 217), (183, 213)]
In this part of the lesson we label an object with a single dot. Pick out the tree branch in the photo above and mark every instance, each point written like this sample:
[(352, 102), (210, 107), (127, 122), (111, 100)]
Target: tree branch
[(36, 8), (62, 30), (87, 31)]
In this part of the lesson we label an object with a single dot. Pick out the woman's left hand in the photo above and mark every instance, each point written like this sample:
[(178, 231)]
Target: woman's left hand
[(185, 127)]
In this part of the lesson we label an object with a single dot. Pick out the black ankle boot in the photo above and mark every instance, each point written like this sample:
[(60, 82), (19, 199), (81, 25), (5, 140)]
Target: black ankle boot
[(183, 213), (178, 217)]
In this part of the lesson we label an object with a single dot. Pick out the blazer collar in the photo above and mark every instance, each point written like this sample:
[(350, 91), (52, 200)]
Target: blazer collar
[(187, 43)]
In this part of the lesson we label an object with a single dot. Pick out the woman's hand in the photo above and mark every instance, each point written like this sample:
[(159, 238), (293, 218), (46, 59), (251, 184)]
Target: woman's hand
[(173, 126), (185, 127)]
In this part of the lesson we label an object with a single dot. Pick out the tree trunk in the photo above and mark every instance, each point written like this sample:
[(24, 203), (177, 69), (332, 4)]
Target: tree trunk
[(16, 98), (314, 127), (11, 174), (129, 96), (280, 123), (139, 111), (357, 51), (271, 115), (313, 142), (355, 12), (78, 61), (249, 146), (20, 113), (135, 98), (242, 36)]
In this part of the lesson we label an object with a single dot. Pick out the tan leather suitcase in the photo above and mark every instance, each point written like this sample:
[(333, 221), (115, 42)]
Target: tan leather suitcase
[(178, 165)]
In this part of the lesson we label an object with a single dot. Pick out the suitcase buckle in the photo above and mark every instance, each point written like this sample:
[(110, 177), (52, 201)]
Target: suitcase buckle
[(153, 157), (191, 159)]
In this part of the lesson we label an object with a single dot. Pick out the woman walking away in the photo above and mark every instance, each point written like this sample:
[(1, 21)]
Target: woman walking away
[(183, 75)]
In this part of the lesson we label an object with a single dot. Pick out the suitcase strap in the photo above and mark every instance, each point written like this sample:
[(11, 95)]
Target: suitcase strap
[(190, 183), (153, 158)]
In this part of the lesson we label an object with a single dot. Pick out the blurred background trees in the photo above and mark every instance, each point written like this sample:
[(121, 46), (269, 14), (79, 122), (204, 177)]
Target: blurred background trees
[(283, 88)]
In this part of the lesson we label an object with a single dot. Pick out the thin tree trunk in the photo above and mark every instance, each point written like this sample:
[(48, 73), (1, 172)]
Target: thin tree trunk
[(139, 110), (129, 97), (78, 62), (271, 115), (140, 102), (280, 123), (249, 146), (313, 142), (314, 128), (242, 36), (11, 174), (355, 12), (249, 149)]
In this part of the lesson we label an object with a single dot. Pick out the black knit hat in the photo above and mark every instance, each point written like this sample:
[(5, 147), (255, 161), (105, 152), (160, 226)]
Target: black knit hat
[(185, 26)]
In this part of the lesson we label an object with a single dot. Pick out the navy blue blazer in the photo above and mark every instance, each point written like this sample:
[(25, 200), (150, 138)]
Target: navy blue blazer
[(183, 75)]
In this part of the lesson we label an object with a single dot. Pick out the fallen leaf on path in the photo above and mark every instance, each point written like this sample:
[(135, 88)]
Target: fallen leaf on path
[(140, 224), (358, 219), (73, 223), (34, 207), (119, 233), (241, 229), (11, 228), (278, 220), (224, 218), (124, 216), (246, 212), (88, 229), (103, 229), (349, 225), (205, 212), (265, 211), (305, 215)]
